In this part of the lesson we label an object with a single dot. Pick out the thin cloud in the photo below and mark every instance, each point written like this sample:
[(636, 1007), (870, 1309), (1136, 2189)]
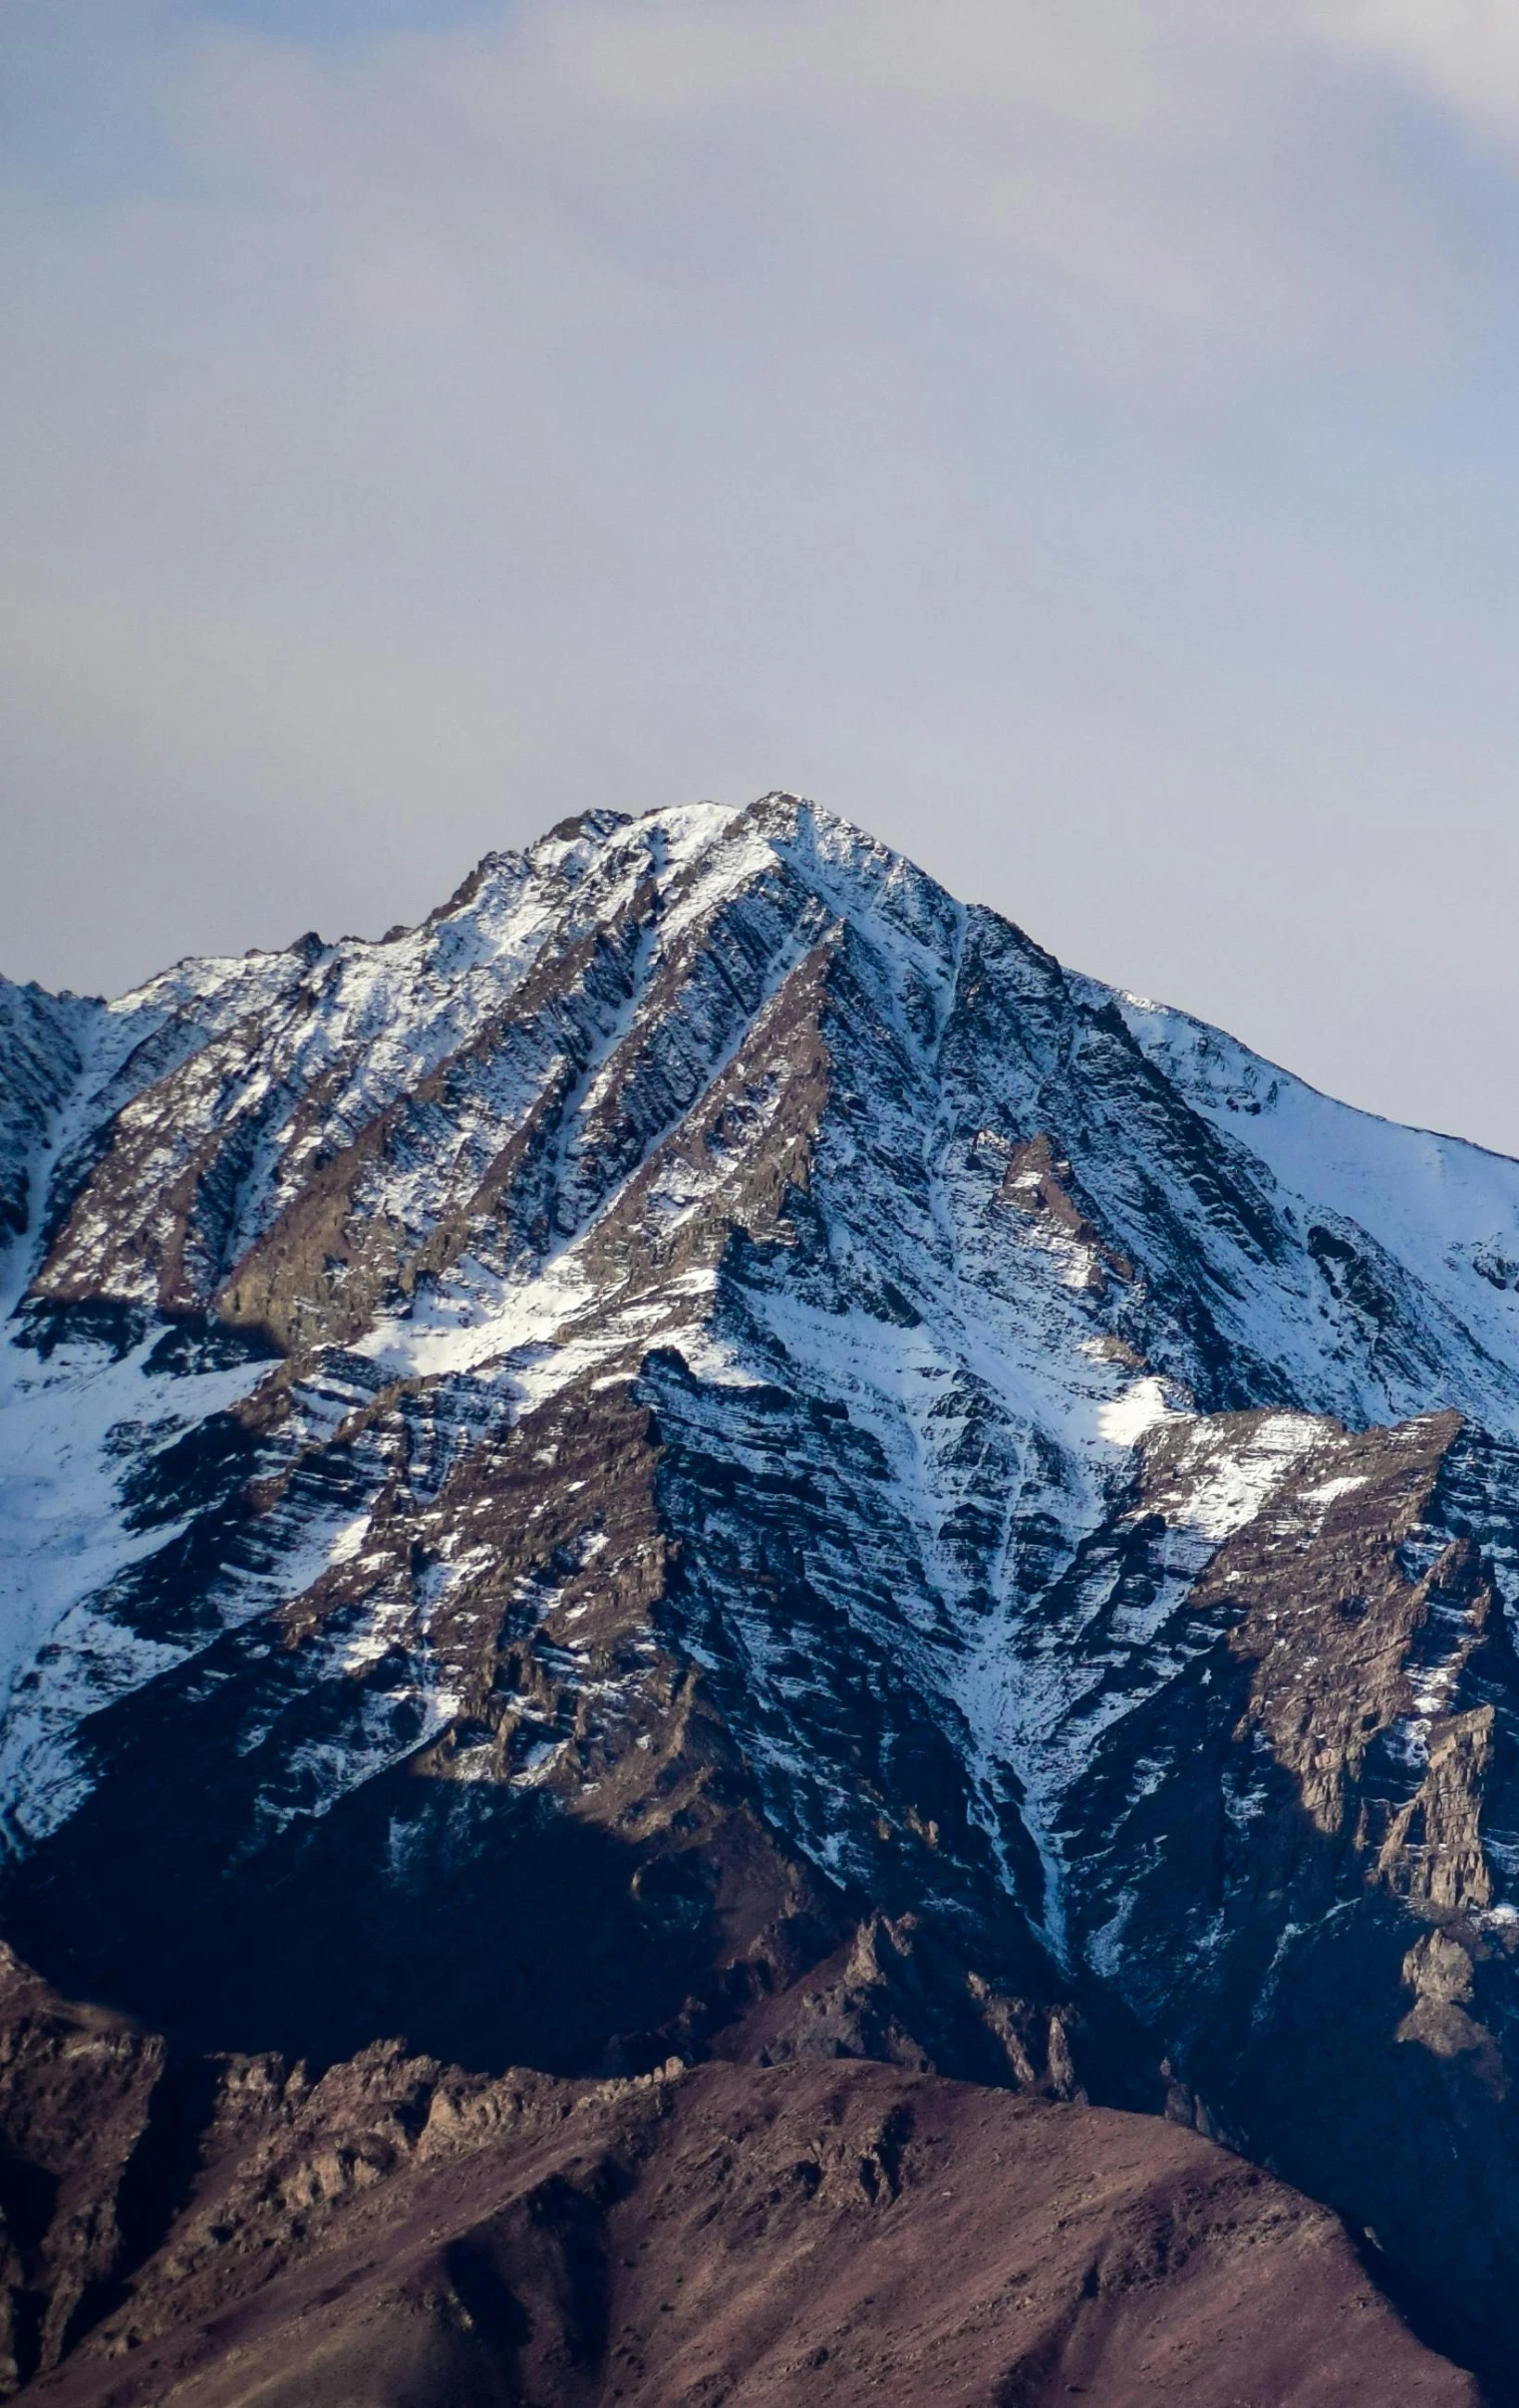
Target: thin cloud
[(1463, 53), (1201, 179)]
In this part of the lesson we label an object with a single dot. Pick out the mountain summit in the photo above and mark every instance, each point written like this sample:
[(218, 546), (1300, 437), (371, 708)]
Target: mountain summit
[(709, 1457)]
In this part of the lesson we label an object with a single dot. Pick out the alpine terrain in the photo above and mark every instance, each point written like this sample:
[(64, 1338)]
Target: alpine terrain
[(727, 1611)]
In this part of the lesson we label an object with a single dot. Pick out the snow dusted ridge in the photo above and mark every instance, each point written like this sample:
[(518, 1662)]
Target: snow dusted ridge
[(1040, 1221), (706, 1271)]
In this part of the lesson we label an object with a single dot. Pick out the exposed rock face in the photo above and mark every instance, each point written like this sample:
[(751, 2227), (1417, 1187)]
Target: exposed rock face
[(396, 2232), (709, 1456)]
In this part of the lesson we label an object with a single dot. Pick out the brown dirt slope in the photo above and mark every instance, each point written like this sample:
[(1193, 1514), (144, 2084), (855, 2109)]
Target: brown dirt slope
[(399, 2235)]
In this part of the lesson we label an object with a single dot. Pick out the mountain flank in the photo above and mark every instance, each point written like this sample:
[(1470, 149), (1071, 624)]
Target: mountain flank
[(397, 2232), (709, 1489)]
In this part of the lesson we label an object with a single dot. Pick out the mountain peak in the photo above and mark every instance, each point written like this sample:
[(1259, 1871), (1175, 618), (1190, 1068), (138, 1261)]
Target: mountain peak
[(708, 1451)]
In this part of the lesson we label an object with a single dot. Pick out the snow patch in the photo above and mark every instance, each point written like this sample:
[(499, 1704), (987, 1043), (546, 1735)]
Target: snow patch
[(1128, 1417)]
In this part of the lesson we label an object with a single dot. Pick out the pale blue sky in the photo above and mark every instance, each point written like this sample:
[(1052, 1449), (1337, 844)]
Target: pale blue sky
[(1082, 444)]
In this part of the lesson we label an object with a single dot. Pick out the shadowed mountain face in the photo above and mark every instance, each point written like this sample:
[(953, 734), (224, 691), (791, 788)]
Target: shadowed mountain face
[(709, 1456)]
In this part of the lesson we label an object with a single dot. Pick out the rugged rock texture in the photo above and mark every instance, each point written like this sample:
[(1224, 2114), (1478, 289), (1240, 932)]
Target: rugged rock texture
[(709, 1456), (233, 2231)]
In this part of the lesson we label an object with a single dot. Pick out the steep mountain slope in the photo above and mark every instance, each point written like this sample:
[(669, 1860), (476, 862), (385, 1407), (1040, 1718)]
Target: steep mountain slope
[(711, 1453)]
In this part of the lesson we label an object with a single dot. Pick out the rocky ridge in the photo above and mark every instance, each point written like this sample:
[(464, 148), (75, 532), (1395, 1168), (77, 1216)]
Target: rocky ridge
[(231, 2231), (709, 1455)]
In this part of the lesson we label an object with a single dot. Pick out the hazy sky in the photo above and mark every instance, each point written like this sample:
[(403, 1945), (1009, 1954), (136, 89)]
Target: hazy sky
[(1077, 439)]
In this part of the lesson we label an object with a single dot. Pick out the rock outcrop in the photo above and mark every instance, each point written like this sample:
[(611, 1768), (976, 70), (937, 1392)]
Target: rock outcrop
[(234, 2231)]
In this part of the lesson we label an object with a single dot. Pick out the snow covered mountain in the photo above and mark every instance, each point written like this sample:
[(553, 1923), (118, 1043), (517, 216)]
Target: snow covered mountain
[(710, 1451)]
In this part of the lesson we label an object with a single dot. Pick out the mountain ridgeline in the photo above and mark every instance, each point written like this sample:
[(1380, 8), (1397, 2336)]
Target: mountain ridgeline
[(710, 1462)]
